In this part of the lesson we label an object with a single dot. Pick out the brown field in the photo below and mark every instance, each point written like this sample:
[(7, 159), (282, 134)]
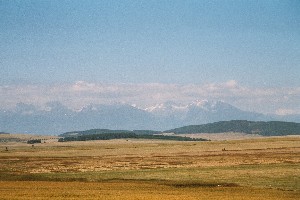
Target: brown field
[(258, 168)]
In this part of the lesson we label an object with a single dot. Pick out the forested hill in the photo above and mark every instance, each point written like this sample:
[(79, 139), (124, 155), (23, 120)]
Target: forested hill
[(272, 128), (107, 131)]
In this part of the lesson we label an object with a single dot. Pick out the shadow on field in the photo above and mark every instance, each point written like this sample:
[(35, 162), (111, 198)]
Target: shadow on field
[(176, 184), (201, 184), (37, 177)]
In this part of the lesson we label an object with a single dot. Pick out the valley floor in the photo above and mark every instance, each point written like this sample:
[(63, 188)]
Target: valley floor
[(261, 168)]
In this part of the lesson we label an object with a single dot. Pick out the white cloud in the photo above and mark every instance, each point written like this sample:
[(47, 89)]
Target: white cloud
[(82, 86), (231, 83), (283, 111), (81, 93)]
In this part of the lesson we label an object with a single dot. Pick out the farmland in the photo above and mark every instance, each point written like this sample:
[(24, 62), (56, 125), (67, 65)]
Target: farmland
[(258, 168)]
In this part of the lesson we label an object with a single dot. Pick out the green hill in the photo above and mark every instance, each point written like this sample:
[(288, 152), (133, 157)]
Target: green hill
[(272, 128)]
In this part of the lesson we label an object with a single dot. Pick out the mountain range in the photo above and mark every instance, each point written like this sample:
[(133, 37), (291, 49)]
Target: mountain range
[(57, 118)]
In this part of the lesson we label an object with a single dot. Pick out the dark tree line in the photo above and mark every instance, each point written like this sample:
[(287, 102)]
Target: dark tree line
[(110, 136)]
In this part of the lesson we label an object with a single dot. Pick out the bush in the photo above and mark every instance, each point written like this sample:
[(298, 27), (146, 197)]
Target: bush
[(34, 141)]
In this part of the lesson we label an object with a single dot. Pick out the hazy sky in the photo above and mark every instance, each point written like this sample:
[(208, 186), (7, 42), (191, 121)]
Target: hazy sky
[(249, 45)]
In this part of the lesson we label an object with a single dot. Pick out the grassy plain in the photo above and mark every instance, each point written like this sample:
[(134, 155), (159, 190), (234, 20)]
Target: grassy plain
[(261, 168)]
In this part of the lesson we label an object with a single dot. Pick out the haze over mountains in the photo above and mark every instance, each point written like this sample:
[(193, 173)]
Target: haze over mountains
[(57, 118)]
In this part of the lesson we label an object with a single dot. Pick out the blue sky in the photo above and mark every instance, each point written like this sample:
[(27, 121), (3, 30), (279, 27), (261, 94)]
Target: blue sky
[(253, 43)]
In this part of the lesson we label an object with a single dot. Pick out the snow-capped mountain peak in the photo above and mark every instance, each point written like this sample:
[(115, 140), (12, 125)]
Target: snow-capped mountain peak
[(171, 108), (199, 103), (166, 107), (211, 106)]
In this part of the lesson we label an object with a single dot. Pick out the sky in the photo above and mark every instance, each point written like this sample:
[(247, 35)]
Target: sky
[(144, 52)]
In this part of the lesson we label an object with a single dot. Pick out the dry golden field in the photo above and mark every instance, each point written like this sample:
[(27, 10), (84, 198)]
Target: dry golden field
[(259, 168)]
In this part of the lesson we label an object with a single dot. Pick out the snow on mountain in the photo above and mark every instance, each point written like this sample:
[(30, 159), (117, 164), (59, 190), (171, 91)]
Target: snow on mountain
[(166, 109), (171, 108)]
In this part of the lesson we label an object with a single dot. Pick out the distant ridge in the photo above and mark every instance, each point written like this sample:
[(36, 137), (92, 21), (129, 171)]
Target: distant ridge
[(272, 128)]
